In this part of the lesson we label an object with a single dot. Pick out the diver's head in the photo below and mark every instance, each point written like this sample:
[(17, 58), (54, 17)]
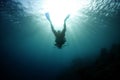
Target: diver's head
[(60, 42), (58, 45)]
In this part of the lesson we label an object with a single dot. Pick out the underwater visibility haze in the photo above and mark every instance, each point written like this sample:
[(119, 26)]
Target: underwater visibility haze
[(28, 50)]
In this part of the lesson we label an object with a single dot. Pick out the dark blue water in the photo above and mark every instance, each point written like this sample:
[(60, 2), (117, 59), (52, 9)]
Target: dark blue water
[(27, 42)]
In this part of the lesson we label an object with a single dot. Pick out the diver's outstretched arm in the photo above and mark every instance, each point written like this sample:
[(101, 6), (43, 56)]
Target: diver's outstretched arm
[(64, 29), (48, 17)]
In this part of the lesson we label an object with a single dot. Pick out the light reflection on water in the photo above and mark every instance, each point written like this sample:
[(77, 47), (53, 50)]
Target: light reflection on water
[(89, 8)]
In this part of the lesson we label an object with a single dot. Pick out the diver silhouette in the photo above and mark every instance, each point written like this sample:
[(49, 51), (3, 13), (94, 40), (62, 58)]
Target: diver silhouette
[(59, 35)]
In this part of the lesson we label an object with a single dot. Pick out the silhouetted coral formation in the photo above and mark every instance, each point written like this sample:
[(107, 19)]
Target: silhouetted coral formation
[(106, 67)]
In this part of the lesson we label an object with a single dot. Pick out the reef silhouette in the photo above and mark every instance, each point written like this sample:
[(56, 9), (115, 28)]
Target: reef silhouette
[(107, 66)]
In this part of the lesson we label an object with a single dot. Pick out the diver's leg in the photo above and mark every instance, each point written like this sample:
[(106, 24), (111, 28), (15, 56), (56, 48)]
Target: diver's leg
[(64, 29), (66, 18), (48, 18)]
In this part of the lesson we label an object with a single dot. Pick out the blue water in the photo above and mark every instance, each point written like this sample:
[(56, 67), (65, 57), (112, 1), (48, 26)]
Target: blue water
[(27, 41)]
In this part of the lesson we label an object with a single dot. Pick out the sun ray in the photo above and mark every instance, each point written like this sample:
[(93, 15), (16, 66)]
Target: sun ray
[(59, 9)]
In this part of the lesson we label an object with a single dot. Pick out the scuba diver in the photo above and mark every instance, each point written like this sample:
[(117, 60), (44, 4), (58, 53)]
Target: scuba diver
[(59, 35)]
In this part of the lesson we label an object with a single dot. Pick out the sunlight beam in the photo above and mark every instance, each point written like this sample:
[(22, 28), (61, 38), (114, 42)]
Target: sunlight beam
[(59, 9)]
